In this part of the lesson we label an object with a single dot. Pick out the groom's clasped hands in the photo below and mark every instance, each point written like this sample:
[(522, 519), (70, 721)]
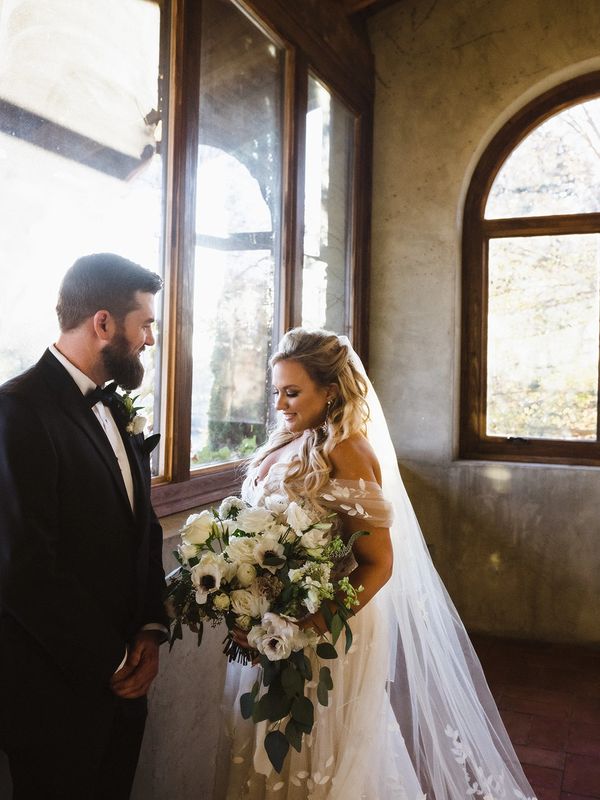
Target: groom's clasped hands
[(141, 667)]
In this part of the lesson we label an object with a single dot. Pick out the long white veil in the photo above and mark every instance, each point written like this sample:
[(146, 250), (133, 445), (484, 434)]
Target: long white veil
[(448, 717)]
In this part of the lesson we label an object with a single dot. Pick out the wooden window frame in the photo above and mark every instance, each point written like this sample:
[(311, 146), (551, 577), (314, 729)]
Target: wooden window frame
[(477, 232), (344, 64)]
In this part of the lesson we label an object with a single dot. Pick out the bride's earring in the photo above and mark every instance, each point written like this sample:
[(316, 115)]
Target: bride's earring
[(324, 425)]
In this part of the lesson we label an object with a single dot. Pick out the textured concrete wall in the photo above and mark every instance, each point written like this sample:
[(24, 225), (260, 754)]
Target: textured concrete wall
[(517, 545), (178, 757)]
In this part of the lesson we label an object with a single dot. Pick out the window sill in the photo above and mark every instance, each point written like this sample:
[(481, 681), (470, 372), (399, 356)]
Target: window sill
[(208, 486)]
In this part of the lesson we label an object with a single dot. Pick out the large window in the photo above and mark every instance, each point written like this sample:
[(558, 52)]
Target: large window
[(223, 145), (532, 285)]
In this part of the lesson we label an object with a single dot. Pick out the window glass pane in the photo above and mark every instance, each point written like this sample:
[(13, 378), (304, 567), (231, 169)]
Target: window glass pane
[(543, 337), (237, 233), (79, 165), (555, 170), (327, 217)]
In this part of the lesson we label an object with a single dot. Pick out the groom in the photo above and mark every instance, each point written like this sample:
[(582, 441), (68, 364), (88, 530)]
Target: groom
[(81, 578)]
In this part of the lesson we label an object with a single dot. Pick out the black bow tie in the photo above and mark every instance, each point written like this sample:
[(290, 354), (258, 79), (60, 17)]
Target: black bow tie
[(99, 395)]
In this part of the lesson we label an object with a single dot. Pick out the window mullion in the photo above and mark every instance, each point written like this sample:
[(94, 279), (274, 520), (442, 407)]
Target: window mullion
[(183, 154)]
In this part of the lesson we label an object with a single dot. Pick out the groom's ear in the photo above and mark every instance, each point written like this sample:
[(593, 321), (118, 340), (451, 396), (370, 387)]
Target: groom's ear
[(103, 323)]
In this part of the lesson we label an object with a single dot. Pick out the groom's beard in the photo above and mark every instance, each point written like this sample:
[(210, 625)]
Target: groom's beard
[(123, 365)]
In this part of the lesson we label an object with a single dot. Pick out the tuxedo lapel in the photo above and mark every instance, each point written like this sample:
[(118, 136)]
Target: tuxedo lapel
[(73, 403), (141, 501)]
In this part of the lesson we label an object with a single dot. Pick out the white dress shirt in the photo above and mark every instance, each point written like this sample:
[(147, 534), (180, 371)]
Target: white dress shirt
[(109, 426)]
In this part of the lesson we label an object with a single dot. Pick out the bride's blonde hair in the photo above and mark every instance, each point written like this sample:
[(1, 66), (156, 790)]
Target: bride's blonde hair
[(326, 359)]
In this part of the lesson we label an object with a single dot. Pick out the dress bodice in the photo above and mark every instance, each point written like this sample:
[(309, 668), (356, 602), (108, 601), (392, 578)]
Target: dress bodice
[(361, 499)]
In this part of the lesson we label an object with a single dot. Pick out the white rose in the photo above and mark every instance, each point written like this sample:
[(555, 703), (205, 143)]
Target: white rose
[(198, 528), (254, 520), (315, 538), (246, 574), (249, 602), (297, 518), (276, 503), (230, 504), (221, 602), (187, 551), (241, 549), (266, 547)]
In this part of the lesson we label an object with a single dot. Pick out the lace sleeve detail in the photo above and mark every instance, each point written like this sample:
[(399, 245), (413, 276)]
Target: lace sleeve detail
[(362, 499)]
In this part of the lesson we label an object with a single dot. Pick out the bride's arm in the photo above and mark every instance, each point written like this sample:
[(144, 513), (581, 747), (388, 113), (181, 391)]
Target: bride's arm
[(354, 459)]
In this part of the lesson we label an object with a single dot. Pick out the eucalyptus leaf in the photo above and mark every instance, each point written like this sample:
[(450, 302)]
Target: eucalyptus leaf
[(276, 703), (326, 611), (326, 650), (302, 711), (337, 624), (271, 670), (322, 694), (277, 747), (325, 677), (247, 705), (304, 666), (291, 681), (294, 735), (348, 637)]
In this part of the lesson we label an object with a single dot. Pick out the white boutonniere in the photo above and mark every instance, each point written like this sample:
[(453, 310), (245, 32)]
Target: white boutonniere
[(135, 422)]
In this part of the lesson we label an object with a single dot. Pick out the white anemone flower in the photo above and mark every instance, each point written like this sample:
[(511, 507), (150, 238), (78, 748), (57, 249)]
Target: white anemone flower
[(267, 547), (207, 576)]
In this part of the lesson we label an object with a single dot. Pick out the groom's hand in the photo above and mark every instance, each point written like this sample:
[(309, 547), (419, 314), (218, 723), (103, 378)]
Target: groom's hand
[(134, 678)]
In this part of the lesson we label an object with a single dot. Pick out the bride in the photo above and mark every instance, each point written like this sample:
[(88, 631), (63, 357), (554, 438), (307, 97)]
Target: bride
[(410, 714)]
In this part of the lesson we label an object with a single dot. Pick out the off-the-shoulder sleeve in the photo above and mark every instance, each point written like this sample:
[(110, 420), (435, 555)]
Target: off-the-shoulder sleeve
[(361, 499)]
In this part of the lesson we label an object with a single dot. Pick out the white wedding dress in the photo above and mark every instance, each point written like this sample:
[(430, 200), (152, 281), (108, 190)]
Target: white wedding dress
[(410, 714), (356, 749)]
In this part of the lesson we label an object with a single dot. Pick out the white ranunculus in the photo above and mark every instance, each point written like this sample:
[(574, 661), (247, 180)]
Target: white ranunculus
[(244, 622), (277, 531), (297, 518), (312, 601), (276, 637), (277, 503), (315, 539), (207, 576), (254, 520), (246, 573), (198, 528), (249, 602), (241, 549), (296, 575), (221, 602), (266, 546), (230, 504), (187, 551)]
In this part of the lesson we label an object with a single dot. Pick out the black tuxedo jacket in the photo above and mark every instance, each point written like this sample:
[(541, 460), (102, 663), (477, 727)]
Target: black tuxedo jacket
[(80, 572)]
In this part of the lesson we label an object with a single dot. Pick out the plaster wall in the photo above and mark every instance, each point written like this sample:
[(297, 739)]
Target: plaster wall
[(517, 545)]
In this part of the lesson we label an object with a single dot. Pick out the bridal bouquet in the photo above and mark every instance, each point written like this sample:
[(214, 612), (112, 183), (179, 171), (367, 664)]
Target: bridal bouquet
[(260, 569)]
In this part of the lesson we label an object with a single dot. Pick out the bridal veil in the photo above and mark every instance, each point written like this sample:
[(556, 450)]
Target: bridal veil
[(449, 720)]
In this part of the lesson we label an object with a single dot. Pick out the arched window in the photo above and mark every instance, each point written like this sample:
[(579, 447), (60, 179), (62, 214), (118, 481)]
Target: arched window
[(531, 285)]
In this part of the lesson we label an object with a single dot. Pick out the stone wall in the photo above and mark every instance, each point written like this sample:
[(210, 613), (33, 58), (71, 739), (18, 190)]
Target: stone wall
[(517, 545)]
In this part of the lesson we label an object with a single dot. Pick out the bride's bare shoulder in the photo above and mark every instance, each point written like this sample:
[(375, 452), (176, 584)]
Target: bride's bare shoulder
[(353, 459)]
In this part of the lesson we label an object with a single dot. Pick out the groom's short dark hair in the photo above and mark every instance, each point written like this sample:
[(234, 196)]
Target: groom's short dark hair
[(102, 281)]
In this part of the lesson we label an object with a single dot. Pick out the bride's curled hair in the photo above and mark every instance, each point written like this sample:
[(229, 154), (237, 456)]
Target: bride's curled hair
[(326, 359)]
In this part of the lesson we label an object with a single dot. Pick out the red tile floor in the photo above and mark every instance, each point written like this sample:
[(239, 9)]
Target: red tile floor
[(549, 699)]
